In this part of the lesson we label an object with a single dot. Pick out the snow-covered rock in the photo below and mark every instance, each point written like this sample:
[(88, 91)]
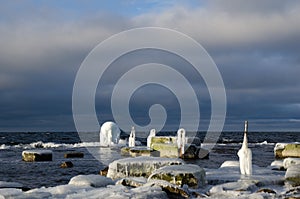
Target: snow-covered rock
[(139, 166), (230, 164), (151, 135), (287, 162), (37, 155), (91, 180), (189, 174), (109, 134), (169, 187), (277, 165), (293, 174)]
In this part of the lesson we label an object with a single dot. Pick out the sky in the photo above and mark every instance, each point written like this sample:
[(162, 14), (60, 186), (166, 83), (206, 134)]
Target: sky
[(255, 45)]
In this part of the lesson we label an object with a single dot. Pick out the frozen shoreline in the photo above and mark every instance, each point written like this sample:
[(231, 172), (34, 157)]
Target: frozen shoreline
[(224, 182)]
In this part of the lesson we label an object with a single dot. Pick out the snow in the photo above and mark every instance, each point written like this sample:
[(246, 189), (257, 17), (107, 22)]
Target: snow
[(9, 192), (230, 164), (287, 162), (280, 146), (91, 180), (109, 134)]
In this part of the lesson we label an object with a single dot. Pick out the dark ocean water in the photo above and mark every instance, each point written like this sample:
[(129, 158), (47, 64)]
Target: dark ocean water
[(38, 174)]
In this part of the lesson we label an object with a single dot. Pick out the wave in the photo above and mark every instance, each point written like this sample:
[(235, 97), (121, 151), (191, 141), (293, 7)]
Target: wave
[(40, 144)]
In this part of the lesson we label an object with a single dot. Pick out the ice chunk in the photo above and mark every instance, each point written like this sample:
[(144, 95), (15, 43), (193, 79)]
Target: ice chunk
[(109, 134), (91, 180), (139, 166)]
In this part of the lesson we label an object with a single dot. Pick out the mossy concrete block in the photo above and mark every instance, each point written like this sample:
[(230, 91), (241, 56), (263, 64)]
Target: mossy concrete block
[(166, 150), (164, 140), (140, 151), (189, 174), (291, 150), (285, 150), (37, 155)]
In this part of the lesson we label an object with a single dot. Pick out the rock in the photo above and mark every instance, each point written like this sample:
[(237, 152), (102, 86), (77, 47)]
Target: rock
[(266, 190), (37, 155), (170, 189), (139, 166), (109, 134), (189, 174), (277, 165), (74, 155), (91, 180), (132, 182), (292, 175), (287, 162), (284, 150), (67, 164), (104, 171)]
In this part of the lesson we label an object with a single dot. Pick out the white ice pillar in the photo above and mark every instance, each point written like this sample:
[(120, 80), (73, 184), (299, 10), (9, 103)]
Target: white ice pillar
[(181, 141), (245, 155), (151, 135), (131, 141)]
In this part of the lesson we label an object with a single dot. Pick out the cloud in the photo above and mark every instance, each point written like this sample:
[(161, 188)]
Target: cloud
[(255, 44)]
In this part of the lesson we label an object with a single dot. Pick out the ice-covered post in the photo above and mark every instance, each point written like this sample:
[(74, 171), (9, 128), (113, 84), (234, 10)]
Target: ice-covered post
[(245, 155), (109, 134), (181, 141), (131, 142), (151, 135)]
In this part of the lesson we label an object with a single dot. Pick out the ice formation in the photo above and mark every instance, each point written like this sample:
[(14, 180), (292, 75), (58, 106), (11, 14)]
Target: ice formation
[(131, 141), (109, 134), (151, 134), (181, 140), (245, 155)]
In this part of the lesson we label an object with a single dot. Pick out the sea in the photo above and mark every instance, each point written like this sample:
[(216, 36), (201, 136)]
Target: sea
[(47, 174)]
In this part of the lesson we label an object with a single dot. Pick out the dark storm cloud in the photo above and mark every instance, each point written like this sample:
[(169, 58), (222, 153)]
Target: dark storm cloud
[(255, 44)]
